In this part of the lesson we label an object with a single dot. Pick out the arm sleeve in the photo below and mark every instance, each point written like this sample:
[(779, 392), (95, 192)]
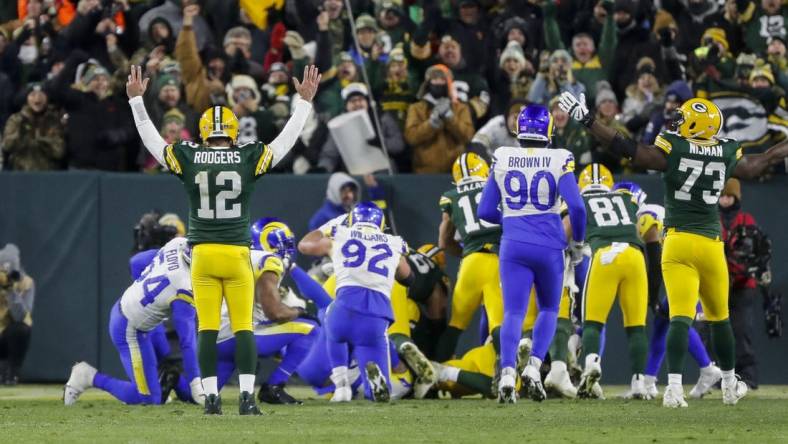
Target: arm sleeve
[(488, 205), (183, 315), (653, 258), (310, 288), (552, 34), (567, 188), (287, 138), (148, 133)]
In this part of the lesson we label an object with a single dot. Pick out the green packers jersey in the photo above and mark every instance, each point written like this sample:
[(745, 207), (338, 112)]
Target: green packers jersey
[(219, 183), (426, 273), (694, 178), (460, 204), (611, 217)]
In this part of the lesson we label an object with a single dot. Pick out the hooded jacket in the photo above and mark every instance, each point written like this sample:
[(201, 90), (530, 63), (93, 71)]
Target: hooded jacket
[(332, 206)]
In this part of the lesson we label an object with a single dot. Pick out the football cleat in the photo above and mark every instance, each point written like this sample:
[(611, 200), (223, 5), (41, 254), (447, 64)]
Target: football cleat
[(591, 376), (673, 397), (733, 390), (247, 406), (709, 376), (558, 382), (596, 392), (523, 352), (638, 388), (213, 405), (81, 379), (342, 394), (650, 383), (275, 394), (168, 380), (377, 383), (506, 386), (426, 375), (532, 384)]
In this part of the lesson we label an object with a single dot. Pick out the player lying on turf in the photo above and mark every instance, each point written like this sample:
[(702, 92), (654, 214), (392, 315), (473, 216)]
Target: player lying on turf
[(162, 290), (366, 262), (695, 165), (527, 182)]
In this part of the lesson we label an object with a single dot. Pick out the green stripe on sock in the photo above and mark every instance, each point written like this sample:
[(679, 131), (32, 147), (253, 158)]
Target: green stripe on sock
[(476, 381), (245, 353), (206, 352), (638, 348), (591, 332), (559, 349), (724, 343), (677, 342)]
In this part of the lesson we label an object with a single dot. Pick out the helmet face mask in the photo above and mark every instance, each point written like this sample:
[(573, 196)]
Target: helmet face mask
[(218, 122), (274, 236), (469, 167)]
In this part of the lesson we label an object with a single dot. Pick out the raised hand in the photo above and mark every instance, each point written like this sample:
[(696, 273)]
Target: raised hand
[(136, 85), (307, 88), (575, 107)]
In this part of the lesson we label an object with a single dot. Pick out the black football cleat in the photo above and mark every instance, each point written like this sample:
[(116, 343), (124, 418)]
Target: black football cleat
[(213, 405), (168, 381), (276, 394), (247, 406)]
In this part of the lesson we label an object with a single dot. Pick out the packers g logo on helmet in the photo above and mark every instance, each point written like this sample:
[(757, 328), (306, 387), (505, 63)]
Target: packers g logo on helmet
[(469, 167), (595, 177), (699, 119), (218, 121)]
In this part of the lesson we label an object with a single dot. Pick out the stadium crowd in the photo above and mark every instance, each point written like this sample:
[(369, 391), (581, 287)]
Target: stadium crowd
[(446, 75)]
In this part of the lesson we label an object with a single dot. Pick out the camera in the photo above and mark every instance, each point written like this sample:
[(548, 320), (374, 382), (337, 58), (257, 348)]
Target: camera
[(12, 277)]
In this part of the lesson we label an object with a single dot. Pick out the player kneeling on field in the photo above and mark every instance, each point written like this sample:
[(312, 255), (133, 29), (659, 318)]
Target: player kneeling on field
[(163, 290)]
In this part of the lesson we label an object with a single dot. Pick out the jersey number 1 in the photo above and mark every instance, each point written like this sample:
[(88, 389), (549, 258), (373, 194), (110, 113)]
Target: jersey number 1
[(469, 214), (222, 212)]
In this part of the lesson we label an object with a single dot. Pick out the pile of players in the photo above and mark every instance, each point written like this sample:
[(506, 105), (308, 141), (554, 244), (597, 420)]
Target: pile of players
[(372, 322)]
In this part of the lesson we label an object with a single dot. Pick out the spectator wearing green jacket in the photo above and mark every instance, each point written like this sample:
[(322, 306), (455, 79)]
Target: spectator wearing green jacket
[(570, 135), (589, 65)]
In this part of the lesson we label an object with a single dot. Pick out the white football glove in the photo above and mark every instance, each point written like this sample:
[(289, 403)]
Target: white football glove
[(576, 250), (574, 106), (198, 395)]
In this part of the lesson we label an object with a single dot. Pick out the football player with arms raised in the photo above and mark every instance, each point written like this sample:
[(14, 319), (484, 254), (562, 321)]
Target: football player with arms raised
[(695, 165), (219, 178)]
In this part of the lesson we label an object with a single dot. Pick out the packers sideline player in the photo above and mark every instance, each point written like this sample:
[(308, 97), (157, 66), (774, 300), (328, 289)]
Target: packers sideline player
[(618, 269), (695, 165), (219, 178), (478, 281)]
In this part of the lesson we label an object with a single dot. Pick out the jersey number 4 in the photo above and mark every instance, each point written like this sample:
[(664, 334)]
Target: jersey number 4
[(696, 168), (356, 253), (222, 212)]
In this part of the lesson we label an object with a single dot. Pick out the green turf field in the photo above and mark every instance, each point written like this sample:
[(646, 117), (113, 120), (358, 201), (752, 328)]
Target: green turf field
[(35, 413)]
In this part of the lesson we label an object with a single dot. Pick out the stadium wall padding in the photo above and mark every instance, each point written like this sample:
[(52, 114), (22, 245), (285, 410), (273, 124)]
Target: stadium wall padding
[(75, 233)]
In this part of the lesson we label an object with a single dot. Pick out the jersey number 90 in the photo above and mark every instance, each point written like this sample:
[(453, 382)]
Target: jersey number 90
[(518, 192)]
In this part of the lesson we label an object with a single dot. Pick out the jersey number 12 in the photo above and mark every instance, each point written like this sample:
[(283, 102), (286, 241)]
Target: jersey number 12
[(222, 212)]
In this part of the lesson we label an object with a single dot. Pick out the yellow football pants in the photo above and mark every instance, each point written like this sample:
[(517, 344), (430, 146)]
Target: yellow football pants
[(478, 282), (564, 309), (405, 310), (624, 277), (694, 265), (222, 270)]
